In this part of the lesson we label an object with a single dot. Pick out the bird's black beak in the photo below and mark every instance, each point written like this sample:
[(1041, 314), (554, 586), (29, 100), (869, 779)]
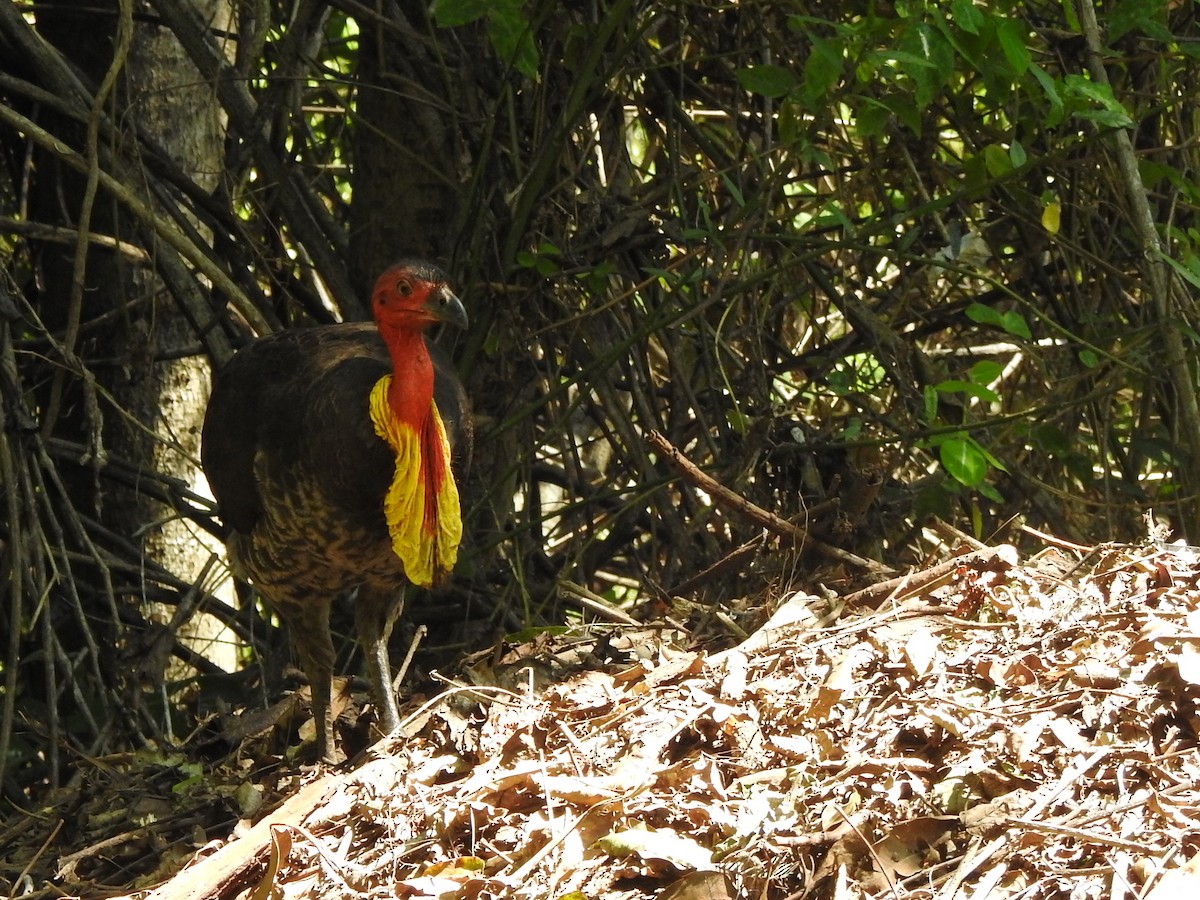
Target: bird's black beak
[(444, 306)]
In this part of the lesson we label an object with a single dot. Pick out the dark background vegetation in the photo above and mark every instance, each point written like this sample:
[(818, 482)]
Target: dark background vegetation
[(874, 266)]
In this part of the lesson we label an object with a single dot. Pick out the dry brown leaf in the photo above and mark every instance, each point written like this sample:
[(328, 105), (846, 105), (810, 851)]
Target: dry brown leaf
[(1076, 711), (988, 819), (699, 886), (1013, 672)]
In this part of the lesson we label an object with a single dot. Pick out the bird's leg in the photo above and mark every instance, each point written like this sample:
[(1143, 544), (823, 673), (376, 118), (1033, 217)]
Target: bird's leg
[(376, 609), (308, 623)]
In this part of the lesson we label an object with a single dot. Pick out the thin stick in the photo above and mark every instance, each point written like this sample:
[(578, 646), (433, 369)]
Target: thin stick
[(999, 558), (726, 497)]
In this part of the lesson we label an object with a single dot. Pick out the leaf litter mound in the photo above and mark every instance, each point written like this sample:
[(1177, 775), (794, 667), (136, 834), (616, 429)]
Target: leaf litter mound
[(990, 727)]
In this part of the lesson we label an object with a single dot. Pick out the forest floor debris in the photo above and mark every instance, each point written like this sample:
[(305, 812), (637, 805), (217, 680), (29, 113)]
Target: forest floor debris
[(1011, 728)]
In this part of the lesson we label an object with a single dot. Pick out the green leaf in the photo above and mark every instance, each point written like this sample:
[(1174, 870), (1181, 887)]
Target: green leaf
[(1012, 35), (1012, 322), (525, 635), (512, 36), (1072, 18), (733, 189), (996, 159), (906, 110), (452, 13), (1130, 15), (822, 71), (767, 80), (967, 16), (983, 315), (1089, 358), (508, 28), (1051, 439), (929, 60), (1016, 154), (1050, 88), (953, 386), (791, 122), (852, 431), (931, 403), (985, 371), (987, 455), (1189, 273), (1052, 216), (1110, 113), (543, 261), (962, 458), (990, 492), (1105, 118), (736, 418), (871, 116)]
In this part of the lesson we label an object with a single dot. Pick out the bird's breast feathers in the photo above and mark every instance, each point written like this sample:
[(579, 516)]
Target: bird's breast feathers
[(421, 505)]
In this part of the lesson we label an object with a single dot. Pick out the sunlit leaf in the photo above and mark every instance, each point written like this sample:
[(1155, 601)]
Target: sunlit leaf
[(1052, 217), (681, 851), (962, 458), (1110, 111), (921, 651)]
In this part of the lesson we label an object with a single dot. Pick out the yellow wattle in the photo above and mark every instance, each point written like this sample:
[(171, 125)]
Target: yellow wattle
[(426, 549)]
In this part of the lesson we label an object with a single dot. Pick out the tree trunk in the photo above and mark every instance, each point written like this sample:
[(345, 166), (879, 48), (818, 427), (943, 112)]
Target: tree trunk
[(405, 183), (140, 347)]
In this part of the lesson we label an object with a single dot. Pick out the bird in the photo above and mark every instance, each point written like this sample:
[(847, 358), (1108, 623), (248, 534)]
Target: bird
[(332, 452)]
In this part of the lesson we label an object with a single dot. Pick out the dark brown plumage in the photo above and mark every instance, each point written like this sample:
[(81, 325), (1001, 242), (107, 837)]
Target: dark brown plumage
[(300, 472)]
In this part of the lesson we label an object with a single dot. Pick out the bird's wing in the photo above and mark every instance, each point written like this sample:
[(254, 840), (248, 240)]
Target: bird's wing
[(294, 401)]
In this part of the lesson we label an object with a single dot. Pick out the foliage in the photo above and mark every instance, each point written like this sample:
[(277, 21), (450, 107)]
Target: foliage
[(890, 239)]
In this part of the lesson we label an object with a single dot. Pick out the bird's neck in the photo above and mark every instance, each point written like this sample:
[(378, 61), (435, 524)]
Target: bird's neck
[(411, 392), (421, 505)]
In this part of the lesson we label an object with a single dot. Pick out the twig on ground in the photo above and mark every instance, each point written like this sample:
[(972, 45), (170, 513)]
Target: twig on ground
[(734, 501)]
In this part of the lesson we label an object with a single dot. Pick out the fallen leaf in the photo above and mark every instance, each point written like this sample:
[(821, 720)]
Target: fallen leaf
[(921, 651), (711, 885), (1188, 662), (681, 852)]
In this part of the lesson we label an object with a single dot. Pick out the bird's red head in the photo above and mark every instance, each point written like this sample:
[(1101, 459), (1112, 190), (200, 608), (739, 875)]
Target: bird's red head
[(411, 296)]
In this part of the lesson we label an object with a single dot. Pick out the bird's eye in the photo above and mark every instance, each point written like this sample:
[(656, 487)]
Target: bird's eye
[(404, 287)]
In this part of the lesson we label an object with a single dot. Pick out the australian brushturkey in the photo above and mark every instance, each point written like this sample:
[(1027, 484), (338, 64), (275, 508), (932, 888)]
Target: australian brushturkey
[(331, 453)]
